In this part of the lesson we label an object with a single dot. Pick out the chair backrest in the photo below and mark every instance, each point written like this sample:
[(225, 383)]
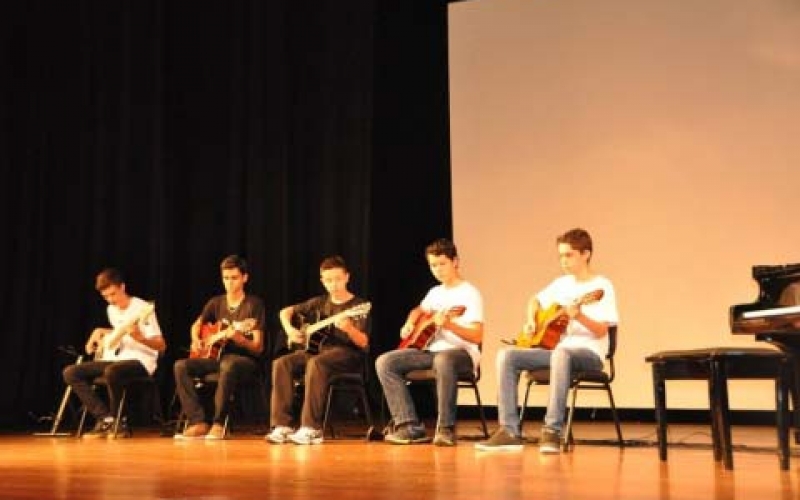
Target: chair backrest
[(612, 350), (612, 341)]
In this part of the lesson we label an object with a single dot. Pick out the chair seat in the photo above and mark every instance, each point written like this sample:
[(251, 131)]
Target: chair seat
[(592, 376)]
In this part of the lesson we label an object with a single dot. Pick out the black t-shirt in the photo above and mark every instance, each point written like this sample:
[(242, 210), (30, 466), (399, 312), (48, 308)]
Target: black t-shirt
[(217, 310), (321, 307)]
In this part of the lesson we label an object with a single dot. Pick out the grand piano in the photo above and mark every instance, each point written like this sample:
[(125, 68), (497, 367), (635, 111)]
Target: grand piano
[(775, 318)]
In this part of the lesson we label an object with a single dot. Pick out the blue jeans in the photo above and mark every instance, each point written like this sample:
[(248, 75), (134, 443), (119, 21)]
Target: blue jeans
[(447, 365), (562, 361)]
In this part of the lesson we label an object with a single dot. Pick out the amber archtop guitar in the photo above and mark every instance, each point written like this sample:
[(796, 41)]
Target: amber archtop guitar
[(551, 322), (425, 328), (214, 336)]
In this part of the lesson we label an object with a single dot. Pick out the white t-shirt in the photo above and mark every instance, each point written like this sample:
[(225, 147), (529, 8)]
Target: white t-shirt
[(440, 298), (566, 290), (129, 348)]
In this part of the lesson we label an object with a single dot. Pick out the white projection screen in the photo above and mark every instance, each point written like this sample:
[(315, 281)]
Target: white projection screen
[(669, 130)]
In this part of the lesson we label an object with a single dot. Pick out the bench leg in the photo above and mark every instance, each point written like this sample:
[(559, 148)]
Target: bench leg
[(720, 411), (660, 396)]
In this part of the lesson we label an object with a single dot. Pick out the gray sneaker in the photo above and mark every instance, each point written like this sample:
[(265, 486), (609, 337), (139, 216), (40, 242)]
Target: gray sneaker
[(408, 434), (550, 442), (501, 440), (445, 436)]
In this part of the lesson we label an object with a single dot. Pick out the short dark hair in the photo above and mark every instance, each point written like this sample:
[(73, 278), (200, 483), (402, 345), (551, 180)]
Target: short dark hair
[(577, 238), (108, 277), (333, 262), (442, 246), (234, 262)]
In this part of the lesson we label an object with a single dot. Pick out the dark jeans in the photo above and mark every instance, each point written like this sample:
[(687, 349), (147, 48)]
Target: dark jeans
[(233, 370), (318, 370), (117, 373), (447, 365)]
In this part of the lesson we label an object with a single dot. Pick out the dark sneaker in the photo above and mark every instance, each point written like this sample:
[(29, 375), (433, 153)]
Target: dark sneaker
[(445, 436), (408, 434), (501, 440), (550, 442), (102, 429)]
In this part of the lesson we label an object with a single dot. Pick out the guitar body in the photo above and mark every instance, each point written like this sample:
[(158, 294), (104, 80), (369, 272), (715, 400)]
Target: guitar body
[(314, 340), (425, 328), (210, 349), (551, 323)]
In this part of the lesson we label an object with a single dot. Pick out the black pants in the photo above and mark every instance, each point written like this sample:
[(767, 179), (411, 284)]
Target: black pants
[(117, 373), (318, 369), (233, 369)]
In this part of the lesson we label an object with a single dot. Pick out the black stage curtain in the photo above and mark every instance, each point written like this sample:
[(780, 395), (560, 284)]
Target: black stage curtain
[(159, 137)]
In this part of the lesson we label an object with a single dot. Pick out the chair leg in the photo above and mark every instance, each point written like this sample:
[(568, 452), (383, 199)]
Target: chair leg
[(120, 410), (480, 411), (79, 432), (566, 439), (615, 415), (524, 405), (328, 412)]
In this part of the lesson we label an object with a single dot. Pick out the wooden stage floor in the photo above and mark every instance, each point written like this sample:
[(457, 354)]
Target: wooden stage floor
[(148, 466)]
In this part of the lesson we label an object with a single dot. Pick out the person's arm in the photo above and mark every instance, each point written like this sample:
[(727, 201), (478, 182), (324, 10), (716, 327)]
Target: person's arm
[(357, 336), (253, 342), (293, 335), (598, 328), (530, 319), (155, 342), (472, 332), (411, 321)]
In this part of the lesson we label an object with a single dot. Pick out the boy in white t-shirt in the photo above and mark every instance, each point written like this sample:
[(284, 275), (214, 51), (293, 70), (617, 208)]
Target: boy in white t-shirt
[(453, 313), (583, 345)]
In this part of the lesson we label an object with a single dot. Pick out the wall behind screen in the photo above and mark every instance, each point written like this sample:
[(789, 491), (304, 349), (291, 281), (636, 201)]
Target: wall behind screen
[(669, 130)]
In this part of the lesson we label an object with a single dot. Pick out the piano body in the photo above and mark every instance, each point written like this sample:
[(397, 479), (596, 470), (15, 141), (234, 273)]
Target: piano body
[(775, 318)]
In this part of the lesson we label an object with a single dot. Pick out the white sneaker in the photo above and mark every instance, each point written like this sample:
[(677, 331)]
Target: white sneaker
[(306, 435), (280, 434)]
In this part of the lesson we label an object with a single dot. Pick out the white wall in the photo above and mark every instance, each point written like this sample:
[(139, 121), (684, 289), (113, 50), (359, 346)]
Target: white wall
[(669, 130)]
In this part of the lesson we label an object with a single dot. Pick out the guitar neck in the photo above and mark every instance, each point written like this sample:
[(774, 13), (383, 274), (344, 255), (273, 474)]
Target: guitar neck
[(319, 325)]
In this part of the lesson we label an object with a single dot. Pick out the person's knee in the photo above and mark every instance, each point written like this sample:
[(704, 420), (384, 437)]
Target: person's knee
[(70, 374), (179, 368)]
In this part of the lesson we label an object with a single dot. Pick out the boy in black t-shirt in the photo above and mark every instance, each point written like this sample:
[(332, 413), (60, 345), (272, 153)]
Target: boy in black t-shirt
[(237, 321), (334, 342)]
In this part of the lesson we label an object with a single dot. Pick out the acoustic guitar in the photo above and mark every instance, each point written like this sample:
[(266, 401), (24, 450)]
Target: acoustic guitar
[(214, 336), (315, 335), (551, 323), (425, 328), (110, 343)]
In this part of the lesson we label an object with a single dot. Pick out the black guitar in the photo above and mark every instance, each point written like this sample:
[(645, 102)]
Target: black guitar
[(316, 334)]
